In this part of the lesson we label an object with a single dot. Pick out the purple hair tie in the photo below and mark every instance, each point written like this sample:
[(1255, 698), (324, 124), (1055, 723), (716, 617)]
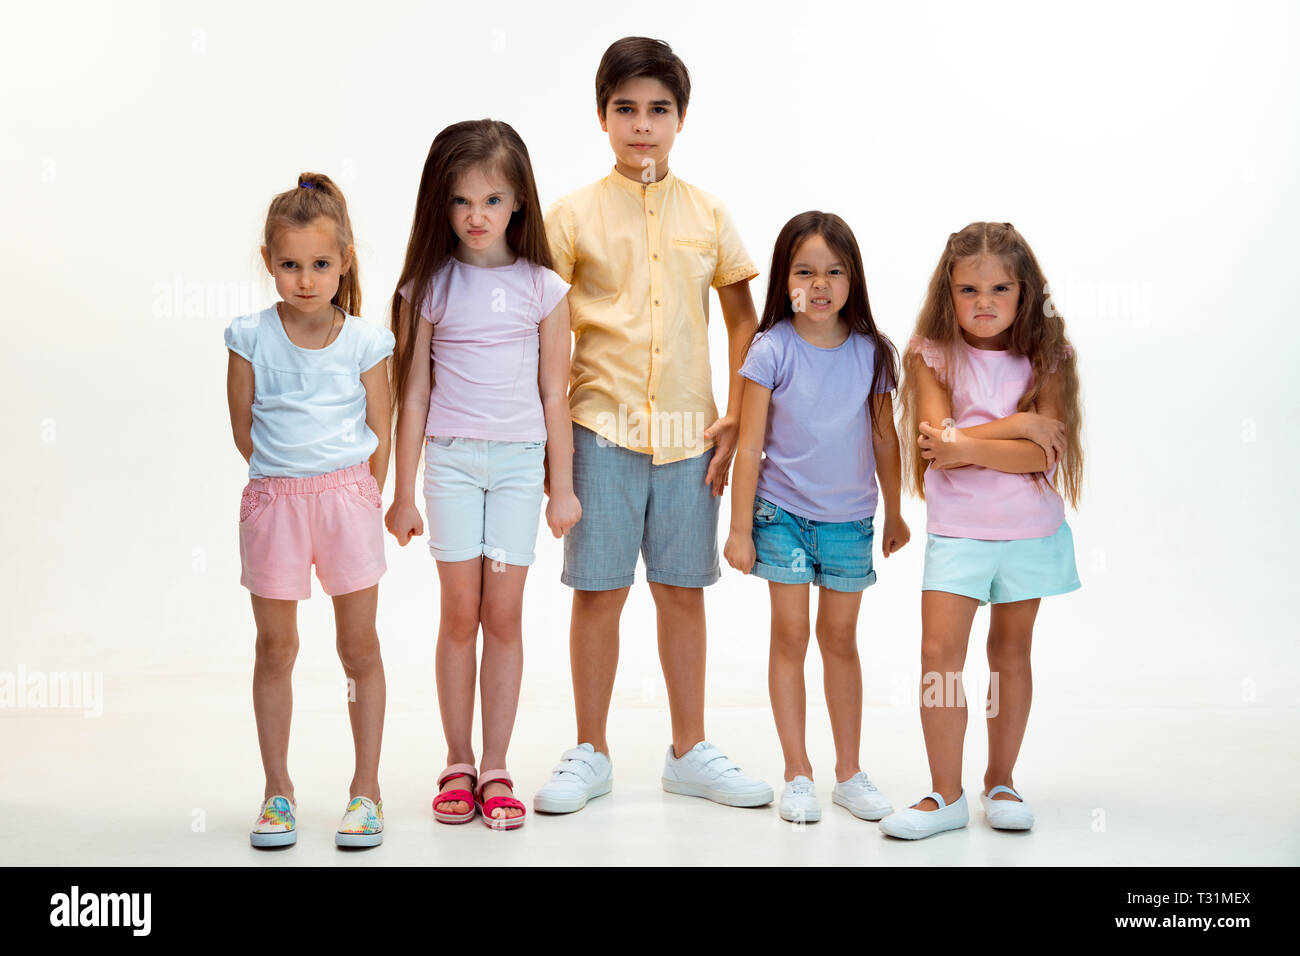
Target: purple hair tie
[(307, 185)]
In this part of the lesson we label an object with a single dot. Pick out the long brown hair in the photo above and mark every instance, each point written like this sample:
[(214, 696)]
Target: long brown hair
[(313, 197), (495, 146), (857, 308), (1037, 332)]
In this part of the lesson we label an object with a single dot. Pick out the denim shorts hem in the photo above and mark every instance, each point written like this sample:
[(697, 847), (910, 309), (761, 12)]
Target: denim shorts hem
[(597, 584), (846, 585), (779, 575), (679, 580)]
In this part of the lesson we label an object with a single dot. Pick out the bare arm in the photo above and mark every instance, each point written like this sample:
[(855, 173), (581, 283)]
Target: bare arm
[(554, 353), (739, 549), (375, 381), (742, 321), (889, 471), (239, 396), (414, 410)]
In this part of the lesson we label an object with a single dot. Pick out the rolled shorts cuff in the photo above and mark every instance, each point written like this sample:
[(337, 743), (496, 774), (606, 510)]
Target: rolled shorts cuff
[(780, 575), (847, 585), (460, 554), (679, 580), (514, 558), (580, 583)]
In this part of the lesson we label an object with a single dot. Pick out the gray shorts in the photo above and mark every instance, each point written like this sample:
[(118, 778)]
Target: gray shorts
[(666, 512)]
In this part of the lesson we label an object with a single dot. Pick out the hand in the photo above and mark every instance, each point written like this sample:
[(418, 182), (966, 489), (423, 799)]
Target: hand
[(403, 522), (739, 551), (942, 448), (724, 432), (1048, 434), (895, 535), (562, 513)]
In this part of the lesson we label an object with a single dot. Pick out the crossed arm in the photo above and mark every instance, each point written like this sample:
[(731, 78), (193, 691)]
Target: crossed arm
[(1022, 443)]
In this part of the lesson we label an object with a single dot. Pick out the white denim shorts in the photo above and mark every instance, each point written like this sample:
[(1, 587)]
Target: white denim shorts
[(483, 498)]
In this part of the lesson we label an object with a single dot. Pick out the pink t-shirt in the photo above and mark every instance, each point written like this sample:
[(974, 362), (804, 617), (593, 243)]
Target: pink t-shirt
[(485, 349), (978, 502)]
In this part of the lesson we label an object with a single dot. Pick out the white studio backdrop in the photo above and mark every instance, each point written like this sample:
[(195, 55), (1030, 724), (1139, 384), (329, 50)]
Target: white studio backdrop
[(1147, 151)]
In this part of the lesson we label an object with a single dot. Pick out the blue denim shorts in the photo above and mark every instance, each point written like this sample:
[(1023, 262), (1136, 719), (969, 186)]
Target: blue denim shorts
[(629, 505), (1000, 572), (794, 550)]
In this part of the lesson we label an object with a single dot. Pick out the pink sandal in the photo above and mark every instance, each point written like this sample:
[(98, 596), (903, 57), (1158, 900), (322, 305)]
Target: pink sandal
[(493, 803), (452, 796)]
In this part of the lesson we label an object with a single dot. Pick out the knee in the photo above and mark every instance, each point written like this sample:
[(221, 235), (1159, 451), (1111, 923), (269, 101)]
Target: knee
[(1008, 655), (276, 652), (790, 640), (940, 653), (501, 623), (460, 621), (840, 643), (670, 598), (600, 604), (359, 653)]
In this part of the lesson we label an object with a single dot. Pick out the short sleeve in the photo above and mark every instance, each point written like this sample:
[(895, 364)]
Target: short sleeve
[(376, 345), (559, 236), (734, 264), (931, 354), (554, 289), (888, 383), (241, 335), (1066, 353), (760, 363), (433, 304)]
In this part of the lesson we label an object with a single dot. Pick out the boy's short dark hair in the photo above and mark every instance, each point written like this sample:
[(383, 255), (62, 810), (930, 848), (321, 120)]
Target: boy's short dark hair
[(631, 57)]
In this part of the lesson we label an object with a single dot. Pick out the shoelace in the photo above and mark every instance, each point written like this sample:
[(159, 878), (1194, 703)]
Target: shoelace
[(800, 789)]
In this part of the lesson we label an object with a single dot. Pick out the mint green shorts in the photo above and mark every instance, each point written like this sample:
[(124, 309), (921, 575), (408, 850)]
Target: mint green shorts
[(999, 572)]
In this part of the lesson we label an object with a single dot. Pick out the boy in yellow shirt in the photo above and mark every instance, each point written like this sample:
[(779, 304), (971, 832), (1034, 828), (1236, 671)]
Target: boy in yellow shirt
[(640, 249)]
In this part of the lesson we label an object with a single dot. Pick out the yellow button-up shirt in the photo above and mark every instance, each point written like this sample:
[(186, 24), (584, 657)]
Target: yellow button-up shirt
[(640, 258)]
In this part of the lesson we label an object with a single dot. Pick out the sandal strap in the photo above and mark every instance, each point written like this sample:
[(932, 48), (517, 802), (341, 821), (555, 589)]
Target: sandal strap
[(457, 770), (494, 776), (509, 803), (452, 796)]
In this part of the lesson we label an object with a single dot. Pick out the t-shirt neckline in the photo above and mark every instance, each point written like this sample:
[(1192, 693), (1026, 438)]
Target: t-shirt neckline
[(819, 348), (279, 324)]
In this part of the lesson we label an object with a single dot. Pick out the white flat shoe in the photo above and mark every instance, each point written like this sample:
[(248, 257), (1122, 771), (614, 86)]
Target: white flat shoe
[(799, 802), (860, 797), (914, 824), (1006, 814)]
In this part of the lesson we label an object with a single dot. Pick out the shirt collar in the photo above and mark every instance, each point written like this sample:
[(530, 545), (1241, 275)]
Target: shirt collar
[(632, 186)]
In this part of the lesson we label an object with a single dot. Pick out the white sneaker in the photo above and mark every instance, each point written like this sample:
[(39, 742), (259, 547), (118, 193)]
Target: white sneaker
[(799, 801), (705, 771), (914, 824), (581, 775), (1006, 814), (860, 797)]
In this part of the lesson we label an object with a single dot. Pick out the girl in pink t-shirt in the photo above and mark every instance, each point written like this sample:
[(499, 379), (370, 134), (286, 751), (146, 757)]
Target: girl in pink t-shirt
[(482, 373), (991, 428)]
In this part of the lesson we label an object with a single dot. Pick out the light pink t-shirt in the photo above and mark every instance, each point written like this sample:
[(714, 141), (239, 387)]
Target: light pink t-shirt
[(978, 502), (485, 349)]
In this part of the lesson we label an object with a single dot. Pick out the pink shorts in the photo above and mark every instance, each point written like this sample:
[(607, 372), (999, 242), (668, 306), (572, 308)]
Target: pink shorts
[(334, 521)]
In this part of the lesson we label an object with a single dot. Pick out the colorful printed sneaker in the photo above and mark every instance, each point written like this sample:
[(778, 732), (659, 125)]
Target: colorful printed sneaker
[(275, 826), (363, 823)]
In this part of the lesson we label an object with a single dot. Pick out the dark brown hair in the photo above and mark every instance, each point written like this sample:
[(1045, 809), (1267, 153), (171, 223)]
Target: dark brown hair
[(316, 196), (1037, 332), (631, 57), (857, 308), (496, 148)]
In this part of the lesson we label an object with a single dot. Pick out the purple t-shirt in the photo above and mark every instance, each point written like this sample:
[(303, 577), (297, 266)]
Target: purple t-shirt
[(819, 462), (485, 349)]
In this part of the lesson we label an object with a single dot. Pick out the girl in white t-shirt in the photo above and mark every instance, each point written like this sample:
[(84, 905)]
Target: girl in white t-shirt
[(482, 374), (307, 384)]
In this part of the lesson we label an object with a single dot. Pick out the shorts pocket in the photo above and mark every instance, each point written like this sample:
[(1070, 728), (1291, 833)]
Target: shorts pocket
[(534, 445), (442, 441), (252, 504), (368, 490), (764, 512), (865, 527)]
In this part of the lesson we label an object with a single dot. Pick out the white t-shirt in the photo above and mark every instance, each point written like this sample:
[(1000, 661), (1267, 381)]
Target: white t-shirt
[(309, 406)]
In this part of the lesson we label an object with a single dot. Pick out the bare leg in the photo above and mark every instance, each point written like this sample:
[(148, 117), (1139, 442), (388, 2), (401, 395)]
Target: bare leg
[(837, 638), (277, 648), (785, 674), (358, 647), (457, 664), (1011, 631), (593, 657), (945, 630), (501, 612), (680, 616)]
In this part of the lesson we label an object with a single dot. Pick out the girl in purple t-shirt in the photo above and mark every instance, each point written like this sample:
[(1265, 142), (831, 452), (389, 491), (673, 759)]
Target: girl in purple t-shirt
[(817, 402), (991, 418), (482, 374)]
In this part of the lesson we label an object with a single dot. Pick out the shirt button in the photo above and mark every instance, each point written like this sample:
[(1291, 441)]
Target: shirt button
[(652, 398), (656, 301), (654, 256), (652, 212), (656, 351)]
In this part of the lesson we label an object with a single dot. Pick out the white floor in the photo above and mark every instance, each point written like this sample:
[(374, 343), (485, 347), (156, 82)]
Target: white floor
[(172, 776)]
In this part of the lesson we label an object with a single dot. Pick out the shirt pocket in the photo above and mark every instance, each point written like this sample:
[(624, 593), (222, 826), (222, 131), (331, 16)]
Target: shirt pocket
[(694, 256)]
